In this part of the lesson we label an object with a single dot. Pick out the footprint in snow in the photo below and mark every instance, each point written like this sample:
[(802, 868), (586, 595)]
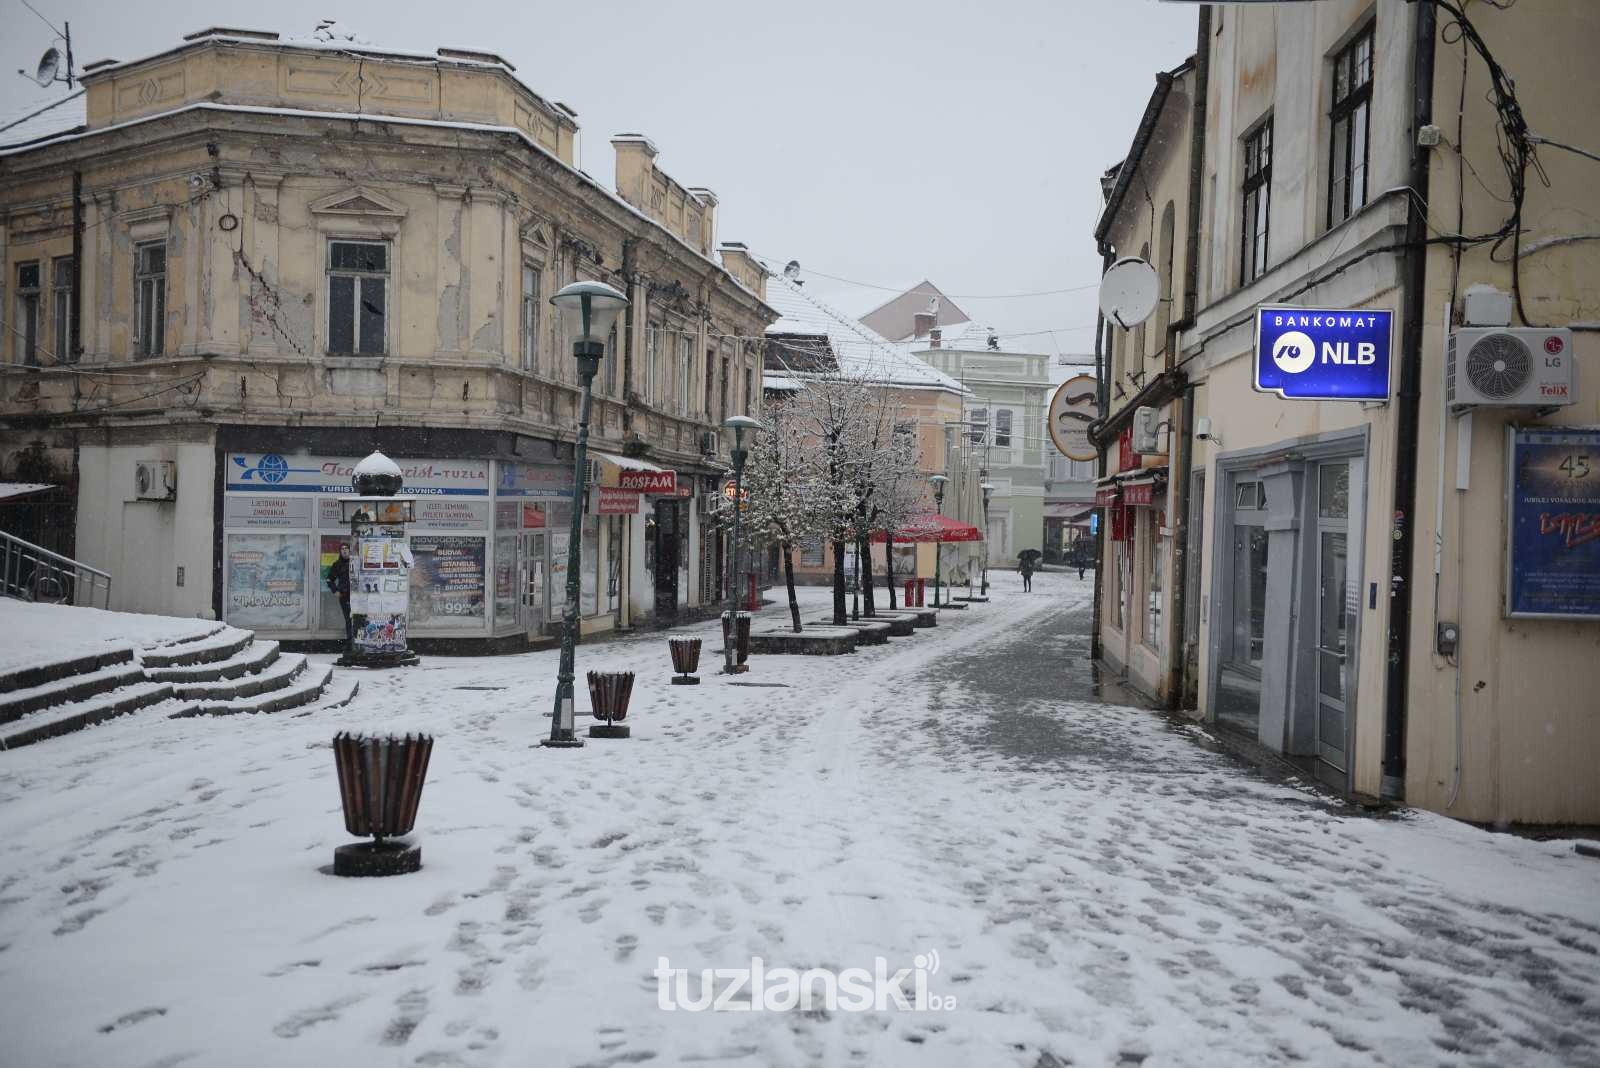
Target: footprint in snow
[(128, 1019)]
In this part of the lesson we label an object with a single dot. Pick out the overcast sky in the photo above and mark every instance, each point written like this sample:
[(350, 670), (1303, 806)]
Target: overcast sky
[(881, 141)]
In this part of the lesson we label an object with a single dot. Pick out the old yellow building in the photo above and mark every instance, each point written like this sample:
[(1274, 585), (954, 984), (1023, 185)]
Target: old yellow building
[(283, 255)]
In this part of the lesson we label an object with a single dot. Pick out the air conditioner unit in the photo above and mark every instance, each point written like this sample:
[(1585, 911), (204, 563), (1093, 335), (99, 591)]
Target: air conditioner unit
[(1147, 431), (155, 480), (1507, 367), (592, 474), (708, 443)]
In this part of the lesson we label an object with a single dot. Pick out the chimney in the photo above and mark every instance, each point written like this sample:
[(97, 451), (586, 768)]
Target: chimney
[(737, 261), (708, 205), (922, 323), (635, 166), (935, 338)]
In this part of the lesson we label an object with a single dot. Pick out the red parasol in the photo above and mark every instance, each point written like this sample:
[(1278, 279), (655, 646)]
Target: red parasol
[(938, 528)]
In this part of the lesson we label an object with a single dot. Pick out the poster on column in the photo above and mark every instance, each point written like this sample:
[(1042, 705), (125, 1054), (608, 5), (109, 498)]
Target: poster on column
[(1553, 551), (379, 586), (447, 585)]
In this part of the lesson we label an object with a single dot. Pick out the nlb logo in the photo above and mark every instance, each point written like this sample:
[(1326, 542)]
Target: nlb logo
[(1293, 352)]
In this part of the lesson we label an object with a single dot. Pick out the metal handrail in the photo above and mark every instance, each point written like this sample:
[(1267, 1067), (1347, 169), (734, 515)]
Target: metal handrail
[(34, 573)]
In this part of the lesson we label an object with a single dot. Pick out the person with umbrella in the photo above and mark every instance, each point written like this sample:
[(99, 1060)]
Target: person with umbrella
[(1027, 564)]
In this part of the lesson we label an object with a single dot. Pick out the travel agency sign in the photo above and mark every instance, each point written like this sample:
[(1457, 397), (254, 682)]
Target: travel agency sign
[(1323, 354)]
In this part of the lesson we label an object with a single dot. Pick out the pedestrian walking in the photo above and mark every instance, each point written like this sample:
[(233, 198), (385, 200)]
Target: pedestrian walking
[(339, 584), (1026, 567)]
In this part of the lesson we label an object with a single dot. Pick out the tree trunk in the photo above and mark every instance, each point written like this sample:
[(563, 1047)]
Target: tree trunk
[(840, 615), (888, 564), (788, 578), (864, 552)]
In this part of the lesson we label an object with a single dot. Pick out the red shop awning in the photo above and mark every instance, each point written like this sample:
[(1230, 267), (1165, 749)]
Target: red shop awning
[(939, 528)]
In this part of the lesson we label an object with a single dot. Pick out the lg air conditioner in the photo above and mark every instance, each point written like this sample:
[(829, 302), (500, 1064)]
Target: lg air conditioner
[(155, 480), (1509, 367)]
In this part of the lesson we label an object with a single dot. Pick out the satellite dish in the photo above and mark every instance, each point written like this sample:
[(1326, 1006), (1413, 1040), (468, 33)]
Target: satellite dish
[(1128, 292), (791, 270), (49, 64)]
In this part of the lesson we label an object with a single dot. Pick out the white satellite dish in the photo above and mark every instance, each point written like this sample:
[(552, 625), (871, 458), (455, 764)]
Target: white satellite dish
[(49, 64), (1128, 292)]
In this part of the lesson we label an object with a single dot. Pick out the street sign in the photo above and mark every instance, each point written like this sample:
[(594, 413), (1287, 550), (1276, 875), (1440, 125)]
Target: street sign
[(1072, 409), (744, 496), (655, 482), (1323, 354)]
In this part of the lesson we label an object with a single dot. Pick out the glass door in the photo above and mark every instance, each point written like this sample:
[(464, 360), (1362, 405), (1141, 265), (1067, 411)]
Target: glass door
[(534, 587), (1336, 599)]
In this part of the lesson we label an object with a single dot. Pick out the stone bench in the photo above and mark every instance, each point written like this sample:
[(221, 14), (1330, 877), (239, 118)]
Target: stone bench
[(871, 631)]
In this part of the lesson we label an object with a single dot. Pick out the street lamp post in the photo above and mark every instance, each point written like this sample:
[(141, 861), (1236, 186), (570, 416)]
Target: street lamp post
[(597, 305), (738, 424), (938, 546), (988, 491)]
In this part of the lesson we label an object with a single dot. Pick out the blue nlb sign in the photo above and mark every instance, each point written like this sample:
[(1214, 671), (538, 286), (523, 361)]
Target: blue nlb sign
[(1323, 354)]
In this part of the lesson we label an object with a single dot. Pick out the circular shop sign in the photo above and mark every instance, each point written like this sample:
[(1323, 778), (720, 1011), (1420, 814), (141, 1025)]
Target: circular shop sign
[(1072, 409)]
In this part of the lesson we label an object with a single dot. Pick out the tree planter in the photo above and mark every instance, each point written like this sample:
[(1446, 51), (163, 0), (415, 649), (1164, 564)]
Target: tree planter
[(609, 692), (685, 660), (380, 785), (741, 647)]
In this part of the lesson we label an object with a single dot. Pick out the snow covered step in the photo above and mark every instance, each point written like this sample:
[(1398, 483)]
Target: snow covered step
[(253, 658), (70, 717), (282, 671), (337, 695), (32, 677), (307, 687), (77, 687), (219, 646), (210, 631)]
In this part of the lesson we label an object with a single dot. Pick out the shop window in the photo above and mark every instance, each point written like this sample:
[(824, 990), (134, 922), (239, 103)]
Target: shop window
[(1257, 196), (266, 581), (447, 582), (61, 307), (1002, 428), (358, 281), (27, 327), (530, 317), (1349, 117), (589, 565), (1154, 594)]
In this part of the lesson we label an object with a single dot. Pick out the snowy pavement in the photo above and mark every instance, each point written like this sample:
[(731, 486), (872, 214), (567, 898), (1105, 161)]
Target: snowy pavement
[(1098, 888)]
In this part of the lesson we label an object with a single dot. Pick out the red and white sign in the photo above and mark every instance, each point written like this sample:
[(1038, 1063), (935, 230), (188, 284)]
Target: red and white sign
[(744, 496), (657, 482), (615, 501)]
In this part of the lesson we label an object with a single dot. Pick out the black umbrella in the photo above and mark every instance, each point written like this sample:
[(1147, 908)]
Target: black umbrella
[(1034, 554)]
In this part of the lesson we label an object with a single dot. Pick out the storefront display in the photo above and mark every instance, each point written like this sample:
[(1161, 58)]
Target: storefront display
[(505, 580), (266, 581), (447, 584)]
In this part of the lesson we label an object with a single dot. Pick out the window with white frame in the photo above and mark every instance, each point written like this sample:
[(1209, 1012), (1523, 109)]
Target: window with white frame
[(150, 298), (613, 357), (530, 317), (61, 307), (1002, 428), (358, 297), (652, 341), (1349, 116), (28, 313), (980, 426)]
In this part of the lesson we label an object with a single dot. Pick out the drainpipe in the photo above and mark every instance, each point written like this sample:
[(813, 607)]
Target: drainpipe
[(1410, 395), (75, 342), (1183, 458), (1103, 533)]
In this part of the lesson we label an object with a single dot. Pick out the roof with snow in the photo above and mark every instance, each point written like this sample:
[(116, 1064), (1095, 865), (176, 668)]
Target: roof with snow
[(857, 348), (896, 318), (41, 119)]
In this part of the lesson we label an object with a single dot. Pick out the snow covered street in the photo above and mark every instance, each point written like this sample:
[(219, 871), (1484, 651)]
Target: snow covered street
[(1098, 888)]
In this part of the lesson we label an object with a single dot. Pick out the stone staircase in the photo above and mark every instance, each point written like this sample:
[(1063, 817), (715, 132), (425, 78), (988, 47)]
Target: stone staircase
[(220, 671)]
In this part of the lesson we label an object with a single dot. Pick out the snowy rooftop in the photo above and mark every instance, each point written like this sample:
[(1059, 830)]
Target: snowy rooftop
[(860, 350), (43, 118)]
